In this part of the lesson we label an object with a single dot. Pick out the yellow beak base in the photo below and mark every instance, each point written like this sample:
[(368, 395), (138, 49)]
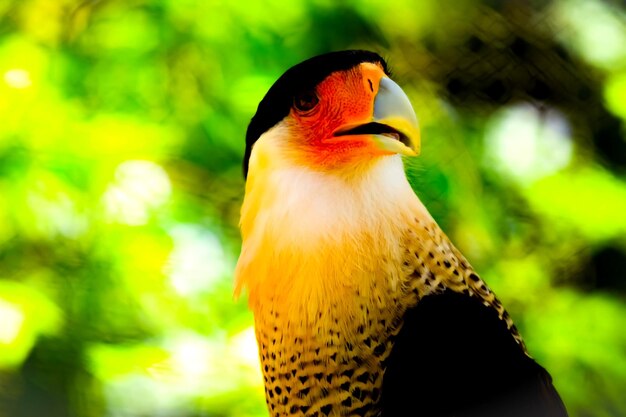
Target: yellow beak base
[(407, 144)]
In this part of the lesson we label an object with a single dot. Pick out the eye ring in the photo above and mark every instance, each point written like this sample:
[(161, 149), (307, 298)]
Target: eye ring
[(305, 101)]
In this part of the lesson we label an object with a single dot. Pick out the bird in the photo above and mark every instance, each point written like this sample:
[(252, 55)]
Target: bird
[(362, 305)]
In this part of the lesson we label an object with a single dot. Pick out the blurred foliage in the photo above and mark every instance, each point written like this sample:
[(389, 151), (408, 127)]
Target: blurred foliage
[(121, 138)]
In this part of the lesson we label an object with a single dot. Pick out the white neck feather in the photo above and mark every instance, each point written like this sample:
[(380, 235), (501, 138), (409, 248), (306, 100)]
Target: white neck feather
[(317, 206), (317, 227)]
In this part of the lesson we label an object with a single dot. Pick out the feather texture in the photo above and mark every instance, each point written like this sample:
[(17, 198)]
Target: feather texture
[(362, 305), (350, 281)]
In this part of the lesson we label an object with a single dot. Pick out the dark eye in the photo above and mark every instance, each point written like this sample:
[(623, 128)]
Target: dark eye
[(305, 101)]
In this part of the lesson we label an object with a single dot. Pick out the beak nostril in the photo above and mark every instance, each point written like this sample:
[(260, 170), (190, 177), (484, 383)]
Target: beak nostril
[(371, 85)]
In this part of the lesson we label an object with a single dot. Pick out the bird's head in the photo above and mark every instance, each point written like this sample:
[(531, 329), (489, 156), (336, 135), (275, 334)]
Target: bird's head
[(334, 112)]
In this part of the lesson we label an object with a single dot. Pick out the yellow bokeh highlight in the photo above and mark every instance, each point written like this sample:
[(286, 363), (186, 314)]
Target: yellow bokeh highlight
[(590, 200), (25, 315), (615, 94), (12, 321), (17, 78)]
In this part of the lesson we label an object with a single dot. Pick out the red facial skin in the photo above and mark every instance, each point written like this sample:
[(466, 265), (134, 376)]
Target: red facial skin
[(346, 98)]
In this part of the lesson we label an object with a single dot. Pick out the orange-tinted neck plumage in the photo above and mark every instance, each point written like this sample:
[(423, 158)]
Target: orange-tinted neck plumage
[(320, 260), (308, 233)]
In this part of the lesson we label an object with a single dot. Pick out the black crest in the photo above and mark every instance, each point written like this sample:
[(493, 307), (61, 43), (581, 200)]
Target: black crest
[(301, 77)]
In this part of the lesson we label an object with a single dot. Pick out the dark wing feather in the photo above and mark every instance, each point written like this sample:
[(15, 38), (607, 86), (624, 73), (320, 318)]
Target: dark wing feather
[(455, 357)]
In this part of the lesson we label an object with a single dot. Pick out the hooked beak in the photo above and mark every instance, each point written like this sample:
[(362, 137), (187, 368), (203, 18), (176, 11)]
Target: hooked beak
[(393, 126)]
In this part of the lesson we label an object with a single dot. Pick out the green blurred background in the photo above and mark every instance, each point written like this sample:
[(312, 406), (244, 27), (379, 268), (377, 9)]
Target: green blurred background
[(122, 127)]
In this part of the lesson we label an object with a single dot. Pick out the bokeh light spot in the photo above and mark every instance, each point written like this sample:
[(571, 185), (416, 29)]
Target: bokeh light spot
[(18, 78), (12, 320), (139, 186), (197, 261), (595, 29), (527, 143)]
